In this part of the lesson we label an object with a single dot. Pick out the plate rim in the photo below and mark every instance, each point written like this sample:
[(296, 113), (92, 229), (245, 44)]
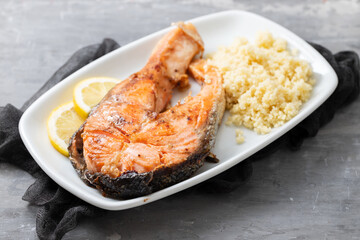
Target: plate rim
[(119, 204)]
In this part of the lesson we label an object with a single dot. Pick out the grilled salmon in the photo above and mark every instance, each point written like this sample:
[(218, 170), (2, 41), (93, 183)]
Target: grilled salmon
[(132, 144)]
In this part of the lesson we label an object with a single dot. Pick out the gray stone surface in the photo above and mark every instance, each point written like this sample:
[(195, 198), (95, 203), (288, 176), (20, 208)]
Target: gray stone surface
[(309, 194)]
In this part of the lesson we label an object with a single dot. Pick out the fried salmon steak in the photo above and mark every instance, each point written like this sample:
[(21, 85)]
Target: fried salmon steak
[(130, 145)]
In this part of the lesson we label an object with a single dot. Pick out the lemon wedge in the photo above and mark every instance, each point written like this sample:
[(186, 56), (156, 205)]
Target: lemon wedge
[(61, 125), (88, 93)]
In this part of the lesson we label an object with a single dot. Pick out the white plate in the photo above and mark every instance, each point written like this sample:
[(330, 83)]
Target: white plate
[(215, 29)]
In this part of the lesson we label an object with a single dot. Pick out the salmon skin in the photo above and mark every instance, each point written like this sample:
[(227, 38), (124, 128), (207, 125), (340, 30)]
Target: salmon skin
[(132, 144)]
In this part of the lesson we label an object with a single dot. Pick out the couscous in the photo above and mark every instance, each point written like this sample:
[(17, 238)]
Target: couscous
[(265, 83)]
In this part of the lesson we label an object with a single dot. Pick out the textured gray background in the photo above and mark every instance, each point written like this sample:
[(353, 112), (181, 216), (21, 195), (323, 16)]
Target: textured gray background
[(313, 193)]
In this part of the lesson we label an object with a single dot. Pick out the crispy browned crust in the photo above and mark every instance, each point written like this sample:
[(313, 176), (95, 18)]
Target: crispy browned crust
[(131, 184)]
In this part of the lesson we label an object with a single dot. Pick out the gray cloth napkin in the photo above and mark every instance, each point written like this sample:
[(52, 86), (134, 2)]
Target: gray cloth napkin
[(59, 211)]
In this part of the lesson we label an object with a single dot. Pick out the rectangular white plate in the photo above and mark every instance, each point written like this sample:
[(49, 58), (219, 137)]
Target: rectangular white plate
[(215, 29)]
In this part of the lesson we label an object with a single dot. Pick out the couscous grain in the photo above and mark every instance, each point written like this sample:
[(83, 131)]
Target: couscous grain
[(265, 83)]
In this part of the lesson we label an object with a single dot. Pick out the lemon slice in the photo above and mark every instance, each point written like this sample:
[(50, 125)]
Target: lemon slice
[(89, 92), (61, 125)]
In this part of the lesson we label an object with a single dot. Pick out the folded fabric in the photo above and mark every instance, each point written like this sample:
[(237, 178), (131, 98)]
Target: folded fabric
[(59, 211)]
